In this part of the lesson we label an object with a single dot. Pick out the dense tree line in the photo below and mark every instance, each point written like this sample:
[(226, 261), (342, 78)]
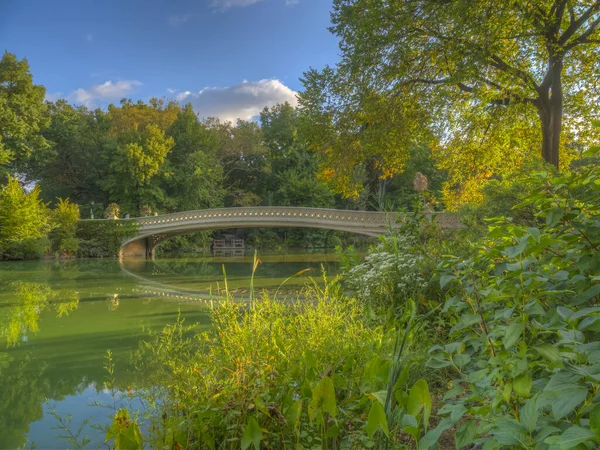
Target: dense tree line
[(144, 158)]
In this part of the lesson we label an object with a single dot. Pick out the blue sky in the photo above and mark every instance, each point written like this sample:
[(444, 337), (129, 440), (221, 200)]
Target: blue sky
[(230, 58)]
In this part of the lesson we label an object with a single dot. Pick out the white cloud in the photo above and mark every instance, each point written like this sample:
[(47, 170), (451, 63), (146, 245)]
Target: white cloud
[(291, 2), (179, 19), (107, 91), (53, 96), (89, 37), (224, 5), (241, 101)]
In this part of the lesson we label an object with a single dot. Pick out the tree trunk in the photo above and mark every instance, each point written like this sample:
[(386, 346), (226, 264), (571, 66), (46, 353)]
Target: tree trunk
[(550, 110)]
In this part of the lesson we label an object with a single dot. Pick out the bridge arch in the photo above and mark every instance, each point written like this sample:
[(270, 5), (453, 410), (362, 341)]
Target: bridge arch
[(153, 230)]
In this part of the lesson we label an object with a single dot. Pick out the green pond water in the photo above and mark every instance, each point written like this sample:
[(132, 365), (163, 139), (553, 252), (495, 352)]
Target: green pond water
[(58, 319)]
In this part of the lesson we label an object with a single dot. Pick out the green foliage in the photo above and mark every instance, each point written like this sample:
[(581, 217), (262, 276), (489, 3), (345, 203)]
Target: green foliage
[(390, 274), (64, 221), (491, 98), (275, 374), (99, 239), (125, 432), (24, 222), (506, 197), (524, 341), (22, 113)]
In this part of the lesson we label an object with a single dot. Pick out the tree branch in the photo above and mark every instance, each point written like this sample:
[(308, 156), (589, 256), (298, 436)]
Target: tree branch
[(500, 64), (574, 26), (585, 35)]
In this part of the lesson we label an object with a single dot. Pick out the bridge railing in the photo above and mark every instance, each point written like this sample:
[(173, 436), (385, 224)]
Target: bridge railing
[(288, 213)]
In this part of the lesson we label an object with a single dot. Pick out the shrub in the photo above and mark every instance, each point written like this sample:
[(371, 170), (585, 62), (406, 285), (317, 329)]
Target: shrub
[(24, 222), (64, 219), (525, 338), (278, 374), (390, 274)]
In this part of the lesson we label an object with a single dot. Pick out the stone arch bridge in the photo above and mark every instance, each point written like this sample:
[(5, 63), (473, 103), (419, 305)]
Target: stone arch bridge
[(155, 229)]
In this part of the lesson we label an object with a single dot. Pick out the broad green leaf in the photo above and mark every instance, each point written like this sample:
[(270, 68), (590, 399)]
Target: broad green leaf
[(565, 402), (571, 437), (522, 385), (529, 414), (323, 399), (432, 436), (419, 399), (535, 233), (409, 421), (461, 360), (512, 334), (445, 279), (465, 434), (516, 250), (553, 216), (377, 420), (252, 435), (438, 363), (380, 396), (548, 351)]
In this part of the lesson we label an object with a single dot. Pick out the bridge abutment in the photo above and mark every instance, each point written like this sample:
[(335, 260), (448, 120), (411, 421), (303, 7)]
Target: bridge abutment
[(141, 248)]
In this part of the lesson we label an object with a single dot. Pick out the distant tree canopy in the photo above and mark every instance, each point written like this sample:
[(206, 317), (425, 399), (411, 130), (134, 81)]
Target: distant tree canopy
[(494, 82), (22, 113)]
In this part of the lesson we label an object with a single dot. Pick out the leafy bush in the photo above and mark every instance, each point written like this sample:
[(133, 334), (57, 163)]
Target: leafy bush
[(506, 198), (64, 220), (24, 222), (285, 374), (103, 238), (526, 322), (390, 274)]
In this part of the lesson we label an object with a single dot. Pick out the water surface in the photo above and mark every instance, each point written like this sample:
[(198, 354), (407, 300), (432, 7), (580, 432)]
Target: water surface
[(58, 319)]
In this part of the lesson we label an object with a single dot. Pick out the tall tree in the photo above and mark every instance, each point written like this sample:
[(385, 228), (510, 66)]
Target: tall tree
[(243, 157), (22, 113), (194, 177), (498, 79)]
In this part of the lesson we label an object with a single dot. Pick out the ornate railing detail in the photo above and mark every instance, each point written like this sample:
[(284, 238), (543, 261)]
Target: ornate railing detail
[(293, 214)]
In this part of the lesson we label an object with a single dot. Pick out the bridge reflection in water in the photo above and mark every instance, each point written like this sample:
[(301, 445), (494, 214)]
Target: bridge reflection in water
[(202, 279)]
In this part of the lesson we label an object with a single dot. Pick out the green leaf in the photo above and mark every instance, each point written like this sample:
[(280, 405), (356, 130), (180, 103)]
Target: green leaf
[(445, 279), (461, 360), (512, 334), (432, 436), (571, 437), (529, 414), (565, 402), (564, 394), (465, 434), (548, 351), (516, 250), (438, 363), (590, 293), (535, 233), (595, 420), (420, 399), (323, 399), (522, 385), (377, 420), (252, 435), (554, 215)]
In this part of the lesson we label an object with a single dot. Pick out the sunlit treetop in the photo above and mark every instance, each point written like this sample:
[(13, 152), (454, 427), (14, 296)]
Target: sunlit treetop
[(496, 82)]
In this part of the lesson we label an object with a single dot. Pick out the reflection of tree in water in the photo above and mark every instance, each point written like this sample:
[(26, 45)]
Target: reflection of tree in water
[(25, 302), (21, 396)]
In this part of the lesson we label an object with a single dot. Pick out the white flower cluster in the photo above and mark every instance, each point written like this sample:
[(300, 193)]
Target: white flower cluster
[(389, 272)]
